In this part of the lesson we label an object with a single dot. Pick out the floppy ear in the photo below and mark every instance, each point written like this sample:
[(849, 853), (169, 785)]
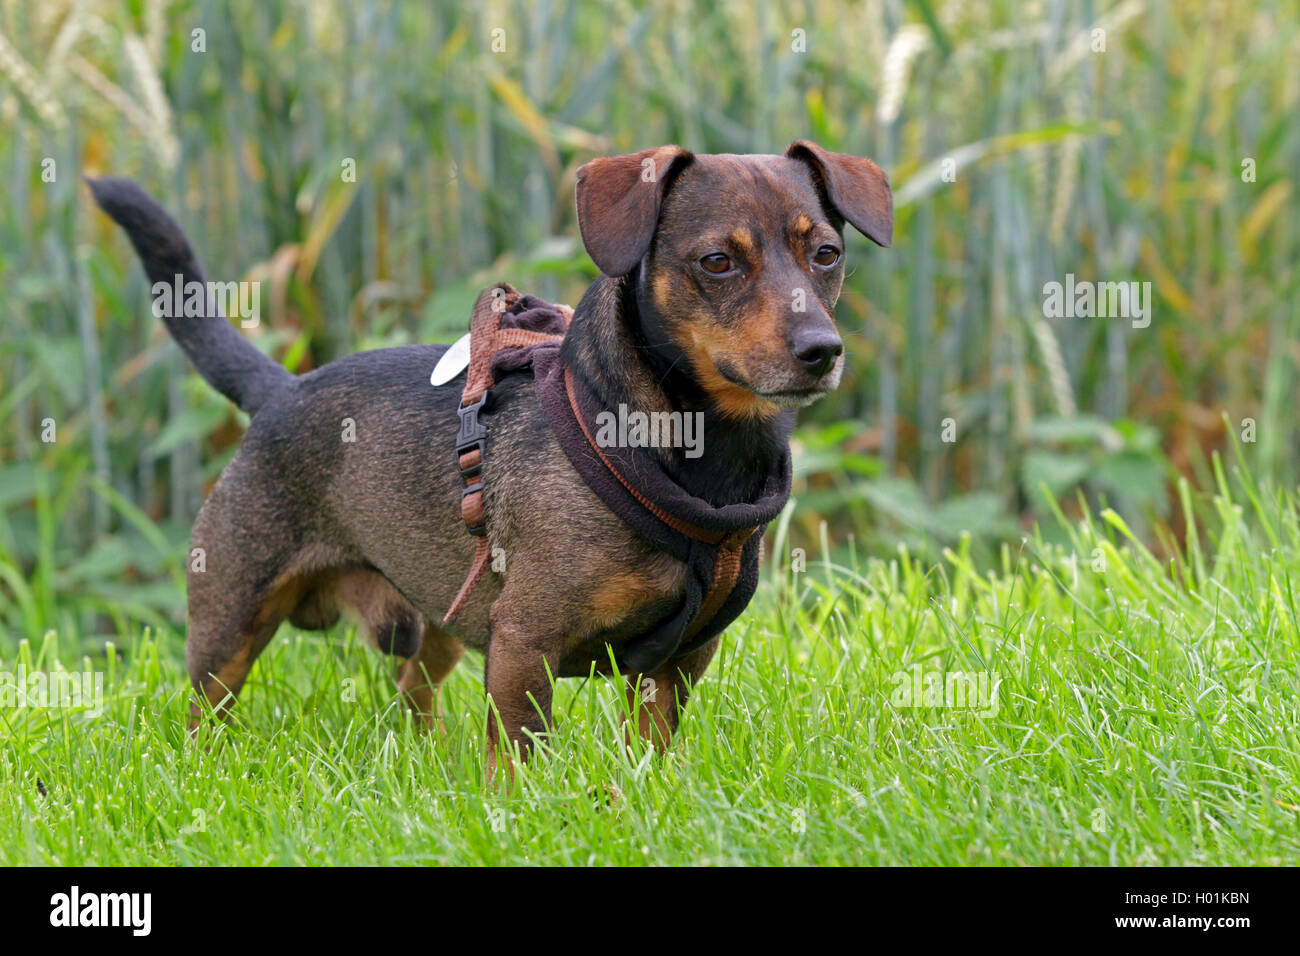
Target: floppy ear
[(857, 188), (618, 204)]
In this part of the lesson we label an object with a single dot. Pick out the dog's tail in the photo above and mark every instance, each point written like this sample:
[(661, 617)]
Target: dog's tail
[(223, 357)]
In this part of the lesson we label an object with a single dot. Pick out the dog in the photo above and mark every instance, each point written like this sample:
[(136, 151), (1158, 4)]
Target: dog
[(720, 275)]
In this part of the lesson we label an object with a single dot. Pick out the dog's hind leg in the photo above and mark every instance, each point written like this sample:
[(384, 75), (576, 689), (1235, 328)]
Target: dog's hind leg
[(389, 623), (231, 620), (222, 646), (246, 574), (219, 660), (422, 676)]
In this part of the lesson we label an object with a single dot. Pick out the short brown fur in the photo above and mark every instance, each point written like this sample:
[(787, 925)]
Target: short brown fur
[(305, 526)]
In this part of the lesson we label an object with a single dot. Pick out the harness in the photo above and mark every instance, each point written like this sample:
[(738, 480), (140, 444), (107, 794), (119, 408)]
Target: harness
[(720, 546)]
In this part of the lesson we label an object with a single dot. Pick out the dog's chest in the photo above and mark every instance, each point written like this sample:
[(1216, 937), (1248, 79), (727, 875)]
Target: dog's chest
[(626, 595), (621, 606)]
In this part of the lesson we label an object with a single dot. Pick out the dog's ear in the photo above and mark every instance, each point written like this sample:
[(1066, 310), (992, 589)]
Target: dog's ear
[(857, 188), (618, 204)]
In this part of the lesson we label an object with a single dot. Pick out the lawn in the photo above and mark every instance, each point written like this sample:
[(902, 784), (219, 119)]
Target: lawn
[(1092, 705)]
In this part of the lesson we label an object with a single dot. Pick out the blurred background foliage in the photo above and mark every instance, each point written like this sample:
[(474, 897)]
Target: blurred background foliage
[(467, 122)]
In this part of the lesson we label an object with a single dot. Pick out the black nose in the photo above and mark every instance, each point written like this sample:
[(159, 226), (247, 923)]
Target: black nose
[(817, 349)]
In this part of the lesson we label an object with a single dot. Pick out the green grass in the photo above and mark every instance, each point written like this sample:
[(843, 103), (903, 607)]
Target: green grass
[(1146, 713)]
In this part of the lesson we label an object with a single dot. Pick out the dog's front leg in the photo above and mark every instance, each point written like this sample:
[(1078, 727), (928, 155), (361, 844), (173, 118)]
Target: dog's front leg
[(658, 699), (518, 679)]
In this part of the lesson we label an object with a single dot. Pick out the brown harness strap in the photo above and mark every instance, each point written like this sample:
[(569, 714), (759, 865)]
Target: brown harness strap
[(726, 571), (486, 339)]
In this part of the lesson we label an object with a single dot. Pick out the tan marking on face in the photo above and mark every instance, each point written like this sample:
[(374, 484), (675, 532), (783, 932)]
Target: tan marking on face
[(662, 289), (803, 225), (703, 342), (743, 240)]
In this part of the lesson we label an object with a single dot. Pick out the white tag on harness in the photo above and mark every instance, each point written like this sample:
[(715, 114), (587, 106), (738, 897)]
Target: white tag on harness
[(454, 361)]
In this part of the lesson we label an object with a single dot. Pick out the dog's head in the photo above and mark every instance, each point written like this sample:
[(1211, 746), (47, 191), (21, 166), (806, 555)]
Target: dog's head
[(737, 261)]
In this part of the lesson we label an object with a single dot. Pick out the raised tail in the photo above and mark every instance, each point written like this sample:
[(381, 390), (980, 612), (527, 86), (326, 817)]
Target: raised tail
[(228, 362)]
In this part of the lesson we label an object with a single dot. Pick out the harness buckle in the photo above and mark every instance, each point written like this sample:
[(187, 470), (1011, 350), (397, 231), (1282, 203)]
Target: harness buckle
[(472, 434)]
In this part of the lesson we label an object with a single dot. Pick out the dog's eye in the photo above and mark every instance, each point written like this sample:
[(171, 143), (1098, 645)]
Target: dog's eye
[(827, 256), (716, 263)]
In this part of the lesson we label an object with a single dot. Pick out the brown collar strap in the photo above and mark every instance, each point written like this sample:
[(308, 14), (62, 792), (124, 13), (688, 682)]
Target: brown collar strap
[(677, 524)]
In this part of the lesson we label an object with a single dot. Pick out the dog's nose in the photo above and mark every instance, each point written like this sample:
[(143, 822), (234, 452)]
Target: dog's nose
[(817, 349)]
